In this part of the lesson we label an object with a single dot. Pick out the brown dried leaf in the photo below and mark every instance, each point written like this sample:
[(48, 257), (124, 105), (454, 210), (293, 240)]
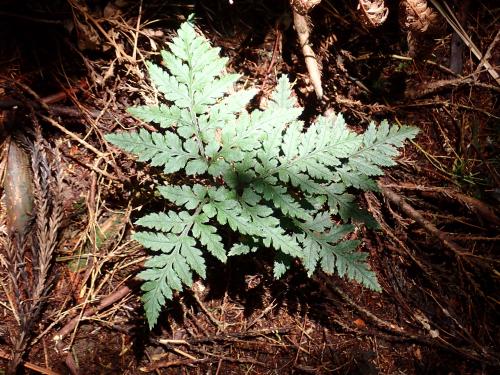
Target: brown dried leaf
[(88, 37), (373, 13), (359, 323)]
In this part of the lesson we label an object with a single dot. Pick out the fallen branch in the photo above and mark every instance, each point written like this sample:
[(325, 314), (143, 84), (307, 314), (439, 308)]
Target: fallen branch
[(487, 55), (58, 110), (375, 319), (428, 226), (166, 364), (480, 208), (437, 86)]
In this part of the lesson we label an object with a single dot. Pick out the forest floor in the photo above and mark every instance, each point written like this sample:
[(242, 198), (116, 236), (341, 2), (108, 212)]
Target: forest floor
[(76, 68)]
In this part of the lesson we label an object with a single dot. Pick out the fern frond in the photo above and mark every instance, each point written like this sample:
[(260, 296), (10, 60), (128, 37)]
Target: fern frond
[(277, 238), (168, 85), (207, 234), (343, 259), (314, 242), (258, 174), (282, 264), (320, 148), (277, 195), (167, 272), (167, 222), (228, 211), (241, 249), (225, 110), (165, 150), (156, 241), (190, 197), (379, 147), (166, 117), (282, 97), (156, 292)]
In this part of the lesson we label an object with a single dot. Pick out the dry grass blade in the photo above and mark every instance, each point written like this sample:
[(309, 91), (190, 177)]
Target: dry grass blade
[(488, 53)]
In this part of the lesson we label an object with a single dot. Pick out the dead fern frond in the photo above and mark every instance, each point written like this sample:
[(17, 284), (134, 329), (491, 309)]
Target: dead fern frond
[(373, 13), (303, 7), (420, 21), (47, 180), (29, 244), (417, 16)]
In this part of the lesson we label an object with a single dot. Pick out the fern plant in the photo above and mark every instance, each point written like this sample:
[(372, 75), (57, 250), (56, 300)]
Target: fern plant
[(262, 175)]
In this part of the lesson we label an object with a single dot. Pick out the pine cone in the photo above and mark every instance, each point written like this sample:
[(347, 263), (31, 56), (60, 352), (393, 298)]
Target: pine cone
[(373, 13)]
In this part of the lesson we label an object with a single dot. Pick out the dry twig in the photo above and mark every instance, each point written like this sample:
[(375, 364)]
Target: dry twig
[(302, 27), (105, 302)]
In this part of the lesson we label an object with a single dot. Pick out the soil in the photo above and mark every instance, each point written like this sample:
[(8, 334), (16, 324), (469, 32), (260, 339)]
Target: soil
[(438, 312)]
